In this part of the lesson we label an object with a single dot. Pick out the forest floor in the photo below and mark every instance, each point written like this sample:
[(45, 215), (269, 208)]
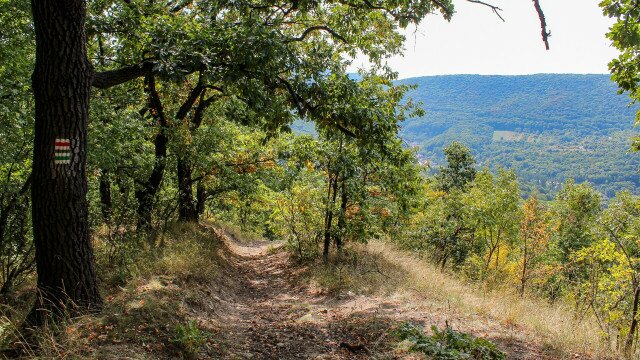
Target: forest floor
[(219, 296)]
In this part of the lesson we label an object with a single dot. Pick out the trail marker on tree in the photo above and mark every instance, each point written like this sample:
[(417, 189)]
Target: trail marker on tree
[(62, 151)]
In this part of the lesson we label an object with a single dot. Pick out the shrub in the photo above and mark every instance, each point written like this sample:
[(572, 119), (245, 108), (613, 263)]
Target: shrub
[(448, 344), (189, 338)]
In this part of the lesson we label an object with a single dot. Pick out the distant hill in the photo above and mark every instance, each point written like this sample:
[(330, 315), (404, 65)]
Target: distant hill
[(548, 127)]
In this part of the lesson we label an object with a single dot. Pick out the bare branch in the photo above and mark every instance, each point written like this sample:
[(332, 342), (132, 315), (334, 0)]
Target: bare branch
[(543, 23), (536, 3), (496, 10)]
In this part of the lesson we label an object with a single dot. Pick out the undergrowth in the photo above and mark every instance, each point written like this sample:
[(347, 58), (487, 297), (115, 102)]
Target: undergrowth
[(190, 338), (448, 344), (153, 295)]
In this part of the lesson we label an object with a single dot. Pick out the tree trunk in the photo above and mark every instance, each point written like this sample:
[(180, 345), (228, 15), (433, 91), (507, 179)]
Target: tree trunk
[(187, 209), (525, 264), (106, 204), (61, 83), (333, 184), (342, 220), (628, 345), (443, 264), (147, 193), (201, 198)]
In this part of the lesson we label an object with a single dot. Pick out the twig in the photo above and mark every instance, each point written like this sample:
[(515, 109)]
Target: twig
[(496, 10)]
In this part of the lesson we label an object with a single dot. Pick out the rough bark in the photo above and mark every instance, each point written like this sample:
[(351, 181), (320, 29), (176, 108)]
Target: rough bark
[(107, 79), (61, 83)]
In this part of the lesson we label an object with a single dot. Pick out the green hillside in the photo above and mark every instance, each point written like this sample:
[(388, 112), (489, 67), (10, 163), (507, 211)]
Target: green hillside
[(547, 127)]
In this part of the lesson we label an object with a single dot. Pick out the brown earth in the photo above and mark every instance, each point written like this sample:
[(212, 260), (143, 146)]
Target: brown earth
[(277, 314)]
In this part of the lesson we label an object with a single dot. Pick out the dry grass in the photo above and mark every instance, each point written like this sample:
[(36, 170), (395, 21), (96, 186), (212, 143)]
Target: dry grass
[(553, 324), (166, 288)]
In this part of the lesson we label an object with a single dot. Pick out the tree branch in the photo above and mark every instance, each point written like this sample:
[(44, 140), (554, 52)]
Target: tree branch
[(319, 27), (107, 79), (496, 10), (155, 104), (191, 99), (345, 130), (543, 24)]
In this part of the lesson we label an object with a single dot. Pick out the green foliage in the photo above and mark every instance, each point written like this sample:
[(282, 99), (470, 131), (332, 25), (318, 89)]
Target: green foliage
[(17, 48), (230, 78), (189, 338), (448, 344), (612, 268), (444, 228), (493, 207), (460, 169), (625, 36), (576, 207)]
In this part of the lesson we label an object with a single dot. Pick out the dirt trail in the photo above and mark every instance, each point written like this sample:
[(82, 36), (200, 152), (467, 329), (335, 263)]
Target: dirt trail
[(274, 315)]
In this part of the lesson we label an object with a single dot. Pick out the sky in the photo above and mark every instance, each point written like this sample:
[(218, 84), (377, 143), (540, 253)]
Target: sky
[(478, 42)]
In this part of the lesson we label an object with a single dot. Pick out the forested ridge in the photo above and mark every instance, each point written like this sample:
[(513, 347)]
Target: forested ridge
[(155, 202), (547, 127)]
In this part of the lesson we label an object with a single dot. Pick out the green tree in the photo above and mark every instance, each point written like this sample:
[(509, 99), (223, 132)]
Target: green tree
[(446, 229), (534, 239), (625, 36), (611, 287), (460, 169), (231, 40), (493, 203), (16, 127), (574, 212), (273, 56)]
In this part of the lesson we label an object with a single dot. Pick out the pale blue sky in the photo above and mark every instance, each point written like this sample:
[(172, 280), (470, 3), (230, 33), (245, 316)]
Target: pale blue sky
[(477, 42)]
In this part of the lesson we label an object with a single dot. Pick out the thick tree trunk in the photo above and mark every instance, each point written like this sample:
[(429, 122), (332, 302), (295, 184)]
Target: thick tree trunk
[(106, 204), (61, 84), (187, 208)]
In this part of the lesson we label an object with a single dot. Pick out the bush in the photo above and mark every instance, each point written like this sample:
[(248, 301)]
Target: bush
[(189, 338), (448, 344)]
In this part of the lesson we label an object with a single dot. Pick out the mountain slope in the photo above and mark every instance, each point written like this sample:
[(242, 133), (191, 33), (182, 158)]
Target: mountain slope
[(548, 127)]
